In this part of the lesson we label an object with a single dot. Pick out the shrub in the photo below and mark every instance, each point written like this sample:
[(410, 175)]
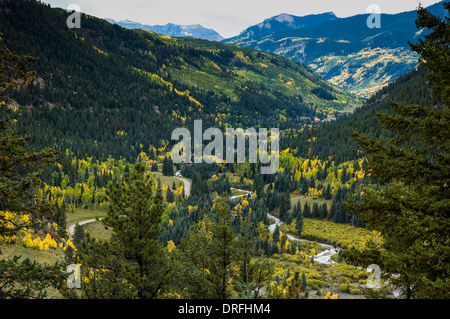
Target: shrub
[(52, 234), (344, 287)]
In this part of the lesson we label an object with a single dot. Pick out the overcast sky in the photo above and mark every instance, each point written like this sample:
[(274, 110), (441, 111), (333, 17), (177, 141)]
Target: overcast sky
[(228, 17)]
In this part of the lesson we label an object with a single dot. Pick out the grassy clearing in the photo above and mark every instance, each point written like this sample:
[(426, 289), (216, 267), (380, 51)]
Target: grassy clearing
[(51, 256), (98, 231), (310, 200), (338, 278), (327, 231), (80, 214), (311, 248), (167, 181), (235, 192), (235, 178), (40, 256)]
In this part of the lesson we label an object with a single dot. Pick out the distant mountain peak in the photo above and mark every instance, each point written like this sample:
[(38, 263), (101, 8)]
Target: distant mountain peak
[(285, 21), (173, 30), (284, 17), (343, 50)]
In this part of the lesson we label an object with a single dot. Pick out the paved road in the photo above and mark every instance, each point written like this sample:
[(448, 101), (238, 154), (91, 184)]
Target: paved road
[(187, 191), (323, 257), (71, 227), (187, 185)]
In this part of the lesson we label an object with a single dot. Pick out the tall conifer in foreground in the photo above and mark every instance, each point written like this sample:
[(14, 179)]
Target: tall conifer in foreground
[(19, 179), (134, 215), (223, 249), (412, 209)]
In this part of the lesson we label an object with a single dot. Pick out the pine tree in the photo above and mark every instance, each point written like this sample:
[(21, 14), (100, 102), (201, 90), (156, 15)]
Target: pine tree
[(245, 250), (299, 209), (295, 290), (69, 255), (327, 194), (19, 180), (315, 210), (285, 205), (102, 263), (411, 209), (339, 215), (167, 167), (434, 51), (296, 210), (78, 235), (196, 260), (299, 224), (305, 186), (266, 246), (324, 211), (61, 221), (332, 212), (254, 274), (306, 210), (304, 282), (170, 197), (258, 186), (276, 234), (134, 214), (223, 249)]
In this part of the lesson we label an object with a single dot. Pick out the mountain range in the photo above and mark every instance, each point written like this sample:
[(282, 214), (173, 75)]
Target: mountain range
[(344, 51), (105, 90), (360, 60), (173, 30)]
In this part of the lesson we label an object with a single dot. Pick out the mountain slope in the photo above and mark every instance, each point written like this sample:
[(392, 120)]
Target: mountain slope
[(173, 30), (104, 90), (347, 52), (283, 22), (332, 139)]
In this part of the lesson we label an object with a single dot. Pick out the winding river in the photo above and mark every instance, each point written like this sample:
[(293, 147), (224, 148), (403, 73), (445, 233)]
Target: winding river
[(323, 257)]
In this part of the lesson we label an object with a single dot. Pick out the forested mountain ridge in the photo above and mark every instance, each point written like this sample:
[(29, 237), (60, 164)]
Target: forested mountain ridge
[(359, 59), (332, 139), (314, 229), (104, 90)]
